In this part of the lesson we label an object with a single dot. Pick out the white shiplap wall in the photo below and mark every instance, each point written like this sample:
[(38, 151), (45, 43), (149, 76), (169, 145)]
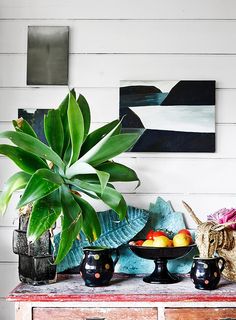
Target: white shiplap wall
[(128, 40)]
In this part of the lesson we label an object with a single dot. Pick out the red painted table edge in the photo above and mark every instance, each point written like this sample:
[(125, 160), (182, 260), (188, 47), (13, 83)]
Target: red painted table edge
[(204, 297), (120, 298)]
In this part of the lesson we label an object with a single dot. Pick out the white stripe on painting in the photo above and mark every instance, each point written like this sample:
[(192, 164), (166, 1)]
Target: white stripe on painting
[(177, 118)]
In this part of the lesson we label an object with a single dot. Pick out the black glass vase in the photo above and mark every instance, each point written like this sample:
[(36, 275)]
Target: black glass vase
[(35, 265)]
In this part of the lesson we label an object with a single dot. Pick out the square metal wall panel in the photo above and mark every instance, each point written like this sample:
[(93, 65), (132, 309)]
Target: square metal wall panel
[(47, 56)]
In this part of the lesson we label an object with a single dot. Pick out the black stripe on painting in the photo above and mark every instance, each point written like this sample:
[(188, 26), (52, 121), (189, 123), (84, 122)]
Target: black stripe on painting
[(192, 93), (174, 141)]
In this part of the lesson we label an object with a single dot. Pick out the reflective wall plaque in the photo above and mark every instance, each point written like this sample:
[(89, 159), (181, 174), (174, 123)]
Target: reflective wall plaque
[(47, 56)]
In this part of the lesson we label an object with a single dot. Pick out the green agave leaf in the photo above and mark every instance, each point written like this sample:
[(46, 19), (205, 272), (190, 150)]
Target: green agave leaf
[(33, 145), (91, 226), (96, 149), (23, 159), (118, 172), (23, 126), (84, 107), (42, 183), (85, 168), (53, 130), (71, 223), (114, 234), (16, 182), (110, 196), (67, 154), (113, 147), (63, 113), (63, 108), (94, 137), (44, 214), (91, 194), (76, 127)]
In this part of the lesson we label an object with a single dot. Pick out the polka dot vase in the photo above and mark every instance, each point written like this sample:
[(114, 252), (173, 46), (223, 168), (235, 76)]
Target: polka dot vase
[(205, 273), (97, 267)]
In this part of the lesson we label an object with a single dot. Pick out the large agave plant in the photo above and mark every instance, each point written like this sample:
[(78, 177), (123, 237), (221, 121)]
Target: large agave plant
[(75, 162)]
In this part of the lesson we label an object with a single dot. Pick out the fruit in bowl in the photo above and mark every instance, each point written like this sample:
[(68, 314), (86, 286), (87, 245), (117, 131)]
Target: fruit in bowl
[(182, 240), (162, 242), (161, 239)]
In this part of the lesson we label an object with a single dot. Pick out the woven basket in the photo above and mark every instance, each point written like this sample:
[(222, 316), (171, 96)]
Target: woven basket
[(213, 238)]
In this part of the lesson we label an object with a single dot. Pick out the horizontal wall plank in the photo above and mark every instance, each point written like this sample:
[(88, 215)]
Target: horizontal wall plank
[(10, 218), (7, 254), (202, 204), (169, 175), (224, 149), (7, 310), (106, 70), (165, 175), (106, 9), (9, 278), (104, 102), (125, 36), (225, 107)]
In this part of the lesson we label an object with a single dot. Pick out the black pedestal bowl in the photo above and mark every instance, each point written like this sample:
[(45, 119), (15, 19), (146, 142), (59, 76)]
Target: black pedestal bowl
[(160, 257)]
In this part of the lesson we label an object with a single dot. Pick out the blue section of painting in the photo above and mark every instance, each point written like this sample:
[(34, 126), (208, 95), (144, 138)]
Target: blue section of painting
[(151, 99), (162, 216)]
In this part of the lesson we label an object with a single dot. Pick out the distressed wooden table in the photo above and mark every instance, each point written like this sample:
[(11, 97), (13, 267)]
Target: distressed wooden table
[(127, 298)]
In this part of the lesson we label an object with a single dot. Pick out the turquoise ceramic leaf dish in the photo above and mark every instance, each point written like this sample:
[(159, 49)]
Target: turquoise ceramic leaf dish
[(114, 234)]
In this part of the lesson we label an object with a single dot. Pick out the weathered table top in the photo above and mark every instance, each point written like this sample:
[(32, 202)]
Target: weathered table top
[(122, 289)]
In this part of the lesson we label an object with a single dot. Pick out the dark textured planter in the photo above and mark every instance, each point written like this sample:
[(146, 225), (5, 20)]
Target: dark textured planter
[(37, 270), (41, 247), (35, 259)]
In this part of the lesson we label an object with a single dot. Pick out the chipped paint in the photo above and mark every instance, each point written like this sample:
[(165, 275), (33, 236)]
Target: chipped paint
[(122, 289)]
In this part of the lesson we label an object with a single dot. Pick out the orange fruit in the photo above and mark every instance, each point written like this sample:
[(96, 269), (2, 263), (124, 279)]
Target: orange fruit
[(148, 243), (161, 242), (182, 240)]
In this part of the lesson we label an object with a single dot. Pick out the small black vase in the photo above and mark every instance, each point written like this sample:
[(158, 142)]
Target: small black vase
[(205, 273), (97, 267), (35, 259)]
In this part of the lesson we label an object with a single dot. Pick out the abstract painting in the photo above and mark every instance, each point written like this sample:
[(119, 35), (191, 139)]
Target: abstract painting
[(47, 56), (173, 116), (35, 117)]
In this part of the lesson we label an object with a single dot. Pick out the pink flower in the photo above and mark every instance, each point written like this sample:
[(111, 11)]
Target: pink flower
[(224, 215)]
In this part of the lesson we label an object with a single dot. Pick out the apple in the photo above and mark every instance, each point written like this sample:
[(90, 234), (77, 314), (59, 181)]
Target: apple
[(186, 231), (139, 242), (182, 240), (149, 235), (158, 233)]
